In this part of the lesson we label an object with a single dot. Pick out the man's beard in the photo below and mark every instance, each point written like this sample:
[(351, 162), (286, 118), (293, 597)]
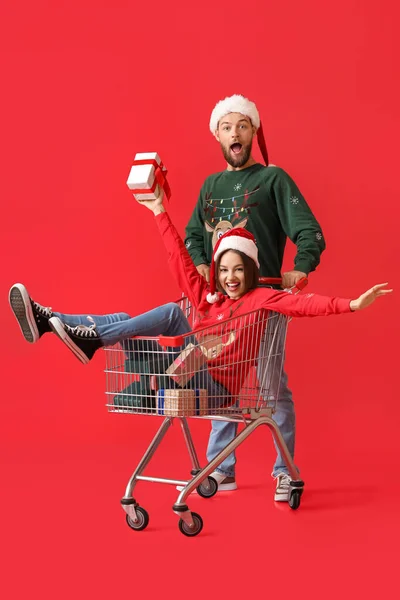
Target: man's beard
[(236, 163)]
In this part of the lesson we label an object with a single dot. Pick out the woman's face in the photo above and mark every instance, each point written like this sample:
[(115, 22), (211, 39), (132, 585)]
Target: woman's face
[(231, 274)]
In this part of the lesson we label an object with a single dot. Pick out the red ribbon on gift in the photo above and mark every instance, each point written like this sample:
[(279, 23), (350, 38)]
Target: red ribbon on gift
[(160, 177)]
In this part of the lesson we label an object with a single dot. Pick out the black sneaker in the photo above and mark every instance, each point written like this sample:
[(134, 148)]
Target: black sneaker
[(33, 318), (82, 340)]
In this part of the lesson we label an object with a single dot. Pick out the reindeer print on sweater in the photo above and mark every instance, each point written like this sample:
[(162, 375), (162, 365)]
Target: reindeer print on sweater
[(222, 214)]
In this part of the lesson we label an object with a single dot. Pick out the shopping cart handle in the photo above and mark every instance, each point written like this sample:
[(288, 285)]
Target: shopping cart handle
[(270, 280), (301, 284), (278, 281), (171, 341)]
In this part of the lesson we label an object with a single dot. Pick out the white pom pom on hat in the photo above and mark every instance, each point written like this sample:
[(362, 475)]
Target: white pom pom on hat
[(244, 106), (234, 239)]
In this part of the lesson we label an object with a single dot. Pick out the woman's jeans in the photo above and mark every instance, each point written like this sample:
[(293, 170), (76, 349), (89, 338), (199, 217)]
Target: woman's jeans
[(167, 320), (163, 320)]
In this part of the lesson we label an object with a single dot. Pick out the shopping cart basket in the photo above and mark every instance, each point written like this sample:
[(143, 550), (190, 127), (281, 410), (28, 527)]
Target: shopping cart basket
[(228, 371)]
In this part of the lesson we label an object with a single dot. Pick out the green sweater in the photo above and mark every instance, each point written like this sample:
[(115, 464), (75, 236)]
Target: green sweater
[(267, 202)]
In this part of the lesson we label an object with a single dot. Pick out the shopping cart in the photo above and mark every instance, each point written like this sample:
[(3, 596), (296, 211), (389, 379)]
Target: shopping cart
[(230, 371)]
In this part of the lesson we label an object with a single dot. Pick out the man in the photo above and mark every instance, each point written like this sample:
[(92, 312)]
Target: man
[(267, 202)]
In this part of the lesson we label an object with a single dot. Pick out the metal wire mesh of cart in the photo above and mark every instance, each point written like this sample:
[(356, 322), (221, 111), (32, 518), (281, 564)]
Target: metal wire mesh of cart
[(231, 367)]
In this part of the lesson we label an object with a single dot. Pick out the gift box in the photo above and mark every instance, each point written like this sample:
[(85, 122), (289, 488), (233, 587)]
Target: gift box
[(186, 365), (147, 177), (182, 403), (201, 402)]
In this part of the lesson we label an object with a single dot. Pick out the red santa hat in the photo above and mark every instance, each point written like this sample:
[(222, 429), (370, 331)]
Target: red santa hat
[(234, 239), (244, 106)]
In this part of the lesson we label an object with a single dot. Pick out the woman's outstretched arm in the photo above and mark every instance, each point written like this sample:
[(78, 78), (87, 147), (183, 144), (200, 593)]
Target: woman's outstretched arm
[(314, 305)]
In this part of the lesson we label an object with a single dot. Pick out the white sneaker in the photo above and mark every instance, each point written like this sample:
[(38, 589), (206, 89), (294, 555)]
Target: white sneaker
[(282, 487), (225, 484)]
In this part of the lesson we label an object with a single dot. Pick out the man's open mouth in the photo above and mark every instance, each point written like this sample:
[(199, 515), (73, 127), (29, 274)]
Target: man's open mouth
[(236, 148)]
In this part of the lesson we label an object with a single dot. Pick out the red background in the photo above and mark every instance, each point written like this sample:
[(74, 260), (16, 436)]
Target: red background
[(86, 85)]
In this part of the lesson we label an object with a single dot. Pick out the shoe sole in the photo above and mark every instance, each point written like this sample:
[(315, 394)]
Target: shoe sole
[(57, 328), (21, 306), (281, 498)]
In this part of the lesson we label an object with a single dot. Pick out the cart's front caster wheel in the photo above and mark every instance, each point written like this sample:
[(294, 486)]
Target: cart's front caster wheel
[(191, 531), (212, 489), (294, 500), (142, 519)]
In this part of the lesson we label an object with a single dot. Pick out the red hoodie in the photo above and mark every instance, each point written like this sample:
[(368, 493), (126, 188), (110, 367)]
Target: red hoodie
[(224, 368)]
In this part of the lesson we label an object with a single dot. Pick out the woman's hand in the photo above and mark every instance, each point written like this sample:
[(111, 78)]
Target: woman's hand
[(369, 297), (156, 206)]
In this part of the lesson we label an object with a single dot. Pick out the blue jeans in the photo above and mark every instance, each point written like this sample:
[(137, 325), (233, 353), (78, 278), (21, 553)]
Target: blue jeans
[(167, 320), (222, 432), (163, 320)]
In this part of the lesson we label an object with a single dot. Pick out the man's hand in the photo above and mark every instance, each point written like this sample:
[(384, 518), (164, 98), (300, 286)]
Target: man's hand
[(156, 206), (204, 270), (290, 278), (369, 297)]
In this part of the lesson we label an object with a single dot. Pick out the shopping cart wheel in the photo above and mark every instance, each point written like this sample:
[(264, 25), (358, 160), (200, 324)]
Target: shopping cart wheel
[(212, 489), (191, 531), (142, 519), (294, 500)]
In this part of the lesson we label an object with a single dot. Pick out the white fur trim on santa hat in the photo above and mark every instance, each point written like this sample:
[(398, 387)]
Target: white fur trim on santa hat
[(237, 242), (237, 104)]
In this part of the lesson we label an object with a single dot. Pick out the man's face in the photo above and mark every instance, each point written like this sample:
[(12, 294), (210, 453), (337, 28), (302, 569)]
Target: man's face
[(235, 134)]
